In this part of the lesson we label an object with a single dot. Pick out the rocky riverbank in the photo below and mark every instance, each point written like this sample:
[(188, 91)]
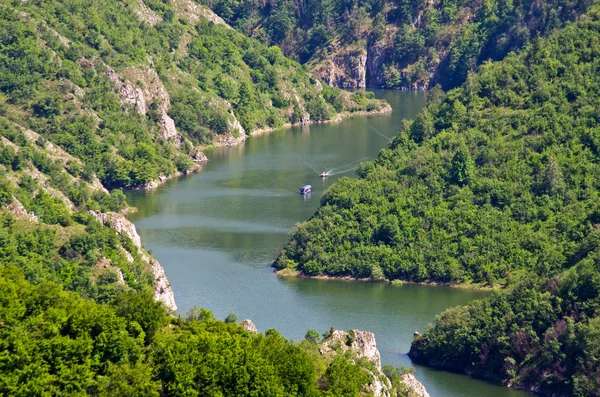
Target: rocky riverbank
[(363, 345), (162, 289), (230, 141)]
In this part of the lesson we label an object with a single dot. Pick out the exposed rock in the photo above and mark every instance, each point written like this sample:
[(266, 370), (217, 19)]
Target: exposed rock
[(363, 344), (229, 140), (317, 85), (147, 91), (417, 387), (235, 127), (188, 9), (345, 69), (168, 129), (200, 157), (305, 120), (127, 254), (17, 209), (152, 185), (162, 289), (146, 14), (121, 224), (249, 326), (104, 265), (84, 63), (377, 53)]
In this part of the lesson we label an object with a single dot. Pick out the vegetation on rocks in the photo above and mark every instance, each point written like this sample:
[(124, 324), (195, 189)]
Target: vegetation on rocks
[(116, 94), (132, 89), (408, 43)]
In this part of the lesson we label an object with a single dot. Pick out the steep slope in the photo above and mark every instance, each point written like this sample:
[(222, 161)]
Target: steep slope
[(496, 182), (100, 94), (405, 44), (135, 89), (544, 335), (61, 225), (493, 180)]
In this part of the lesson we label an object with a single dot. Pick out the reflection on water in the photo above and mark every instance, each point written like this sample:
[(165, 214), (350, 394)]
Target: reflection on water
[(216, 233)]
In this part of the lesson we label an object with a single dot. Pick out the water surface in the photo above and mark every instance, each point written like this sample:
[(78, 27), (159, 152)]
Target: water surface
[(216, 232)]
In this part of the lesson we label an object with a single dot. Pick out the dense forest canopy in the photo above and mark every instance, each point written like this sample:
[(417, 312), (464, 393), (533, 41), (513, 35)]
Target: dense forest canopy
[(57, 343), (493, 180), (410, 43), (543, 334)]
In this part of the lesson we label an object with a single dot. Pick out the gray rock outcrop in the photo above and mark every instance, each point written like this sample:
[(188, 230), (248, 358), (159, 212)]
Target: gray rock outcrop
[(162, 289), (249, 326), (16, 208), (148, 91), (363, 345)]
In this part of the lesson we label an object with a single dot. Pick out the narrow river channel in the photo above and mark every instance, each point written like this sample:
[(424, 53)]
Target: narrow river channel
[(216, 232)]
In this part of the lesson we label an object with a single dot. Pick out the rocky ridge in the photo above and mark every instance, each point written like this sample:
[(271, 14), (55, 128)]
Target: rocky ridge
[(363, 345), (162, 289)]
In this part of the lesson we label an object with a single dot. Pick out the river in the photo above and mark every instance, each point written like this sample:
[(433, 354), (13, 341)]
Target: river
[(217, 231)]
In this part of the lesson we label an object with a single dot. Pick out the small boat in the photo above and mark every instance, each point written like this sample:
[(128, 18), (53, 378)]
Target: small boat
[(324, 174), (305, 189)]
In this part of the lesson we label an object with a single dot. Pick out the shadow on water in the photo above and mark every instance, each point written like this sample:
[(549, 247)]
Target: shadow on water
[(215, 232)]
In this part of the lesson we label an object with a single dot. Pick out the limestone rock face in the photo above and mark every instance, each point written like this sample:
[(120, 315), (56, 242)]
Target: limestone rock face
[(249, 326), (345, 69), (121, 224), (146, 14), (200, 157), (305, 119), (377, 53), (413, 383), (17, 209), (146, 92), (363, 344), (229, 140), (162, 289)]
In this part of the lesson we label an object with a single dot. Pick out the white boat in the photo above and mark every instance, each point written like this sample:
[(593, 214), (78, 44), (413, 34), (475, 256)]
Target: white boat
[(324, 174), (305, 189)]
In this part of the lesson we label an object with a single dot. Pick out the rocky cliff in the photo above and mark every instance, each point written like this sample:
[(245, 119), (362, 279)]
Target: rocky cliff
[(363, 345), (409, 44), (162, 289)]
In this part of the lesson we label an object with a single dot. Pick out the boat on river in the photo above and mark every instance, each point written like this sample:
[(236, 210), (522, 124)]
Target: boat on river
[(324, 174), (305, 189)]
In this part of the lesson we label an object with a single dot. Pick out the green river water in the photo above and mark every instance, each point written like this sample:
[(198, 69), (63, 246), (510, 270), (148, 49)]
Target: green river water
[(217, 231)]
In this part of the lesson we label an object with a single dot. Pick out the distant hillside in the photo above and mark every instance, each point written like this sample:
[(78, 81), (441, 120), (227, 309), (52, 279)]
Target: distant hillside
[(135, 89), (407, 43), (493, 180)]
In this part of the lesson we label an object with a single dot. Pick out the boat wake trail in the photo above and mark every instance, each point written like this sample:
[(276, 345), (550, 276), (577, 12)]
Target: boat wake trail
[(379, 133), (338, 170), (310, 165)]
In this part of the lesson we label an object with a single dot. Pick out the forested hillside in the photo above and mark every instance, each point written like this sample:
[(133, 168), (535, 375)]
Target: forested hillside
[(407, 43), (495, 183), (491, 181), (134, 89), (543, 335)]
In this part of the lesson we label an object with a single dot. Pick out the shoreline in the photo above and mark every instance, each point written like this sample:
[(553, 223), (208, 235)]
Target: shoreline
[(287, 272), (231, 141)]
